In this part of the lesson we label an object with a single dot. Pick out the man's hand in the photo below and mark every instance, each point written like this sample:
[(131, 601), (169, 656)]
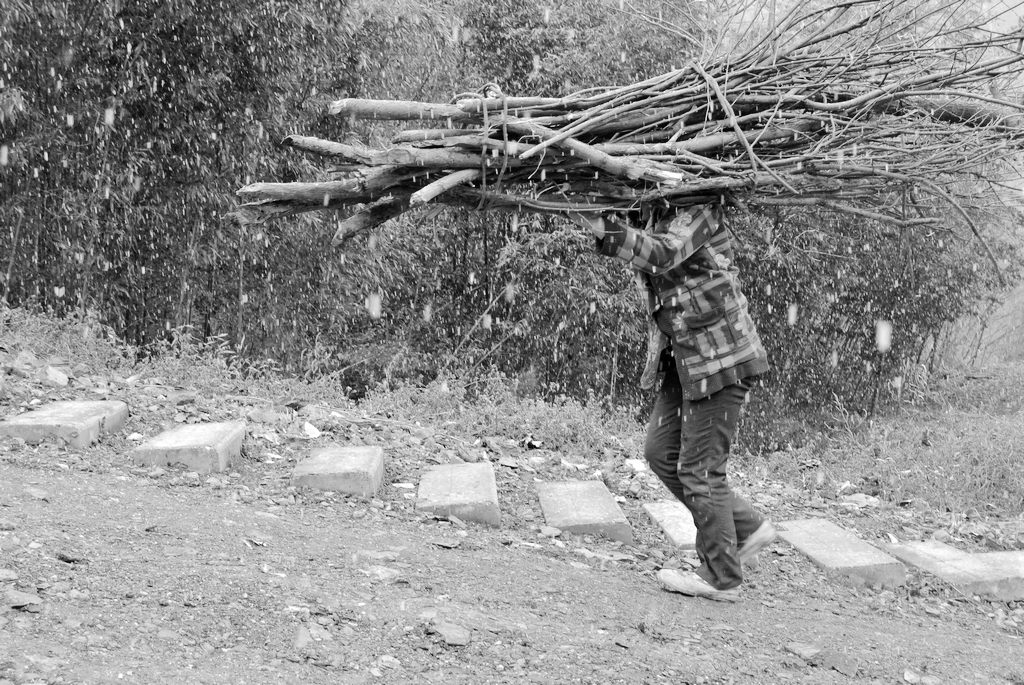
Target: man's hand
[(594, 224)]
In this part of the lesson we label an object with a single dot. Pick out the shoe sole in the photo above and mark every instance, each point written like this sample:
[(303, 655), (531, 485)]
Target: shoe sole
[(730, 596)]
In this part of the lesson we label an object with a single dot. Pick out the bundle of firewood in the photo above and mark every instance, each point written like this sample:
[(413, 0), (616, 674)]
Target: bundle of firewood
[(834, 108)]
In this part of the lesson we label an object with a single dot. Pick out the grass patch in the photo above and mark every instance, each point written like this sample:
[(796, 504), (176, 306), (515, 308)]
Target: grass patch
[(493, 407), (959, 448), (74, 340)]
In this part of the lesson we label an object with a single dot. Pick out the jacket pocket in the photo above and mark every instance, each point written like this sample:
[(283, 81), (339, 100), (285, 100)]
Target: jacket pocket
[(703, 319), (706, 335)]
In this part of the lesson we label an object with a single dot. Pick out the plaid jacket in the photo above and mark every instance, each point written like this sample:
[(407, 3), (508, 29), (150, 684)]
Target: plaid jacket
[(685, 269)]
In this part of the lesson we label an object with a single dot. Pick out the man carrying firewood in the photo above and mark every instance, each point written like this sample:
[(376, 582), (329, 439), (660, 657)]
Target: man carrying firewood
[(704, 342)]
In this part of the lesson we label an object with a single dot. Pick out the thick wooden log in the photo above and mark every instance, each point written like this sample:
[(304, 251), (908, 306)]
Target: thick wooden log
[(361, 185), (416, 135), (442, 185), (464, 152), (399, 110), (370, 217), (437, 158)]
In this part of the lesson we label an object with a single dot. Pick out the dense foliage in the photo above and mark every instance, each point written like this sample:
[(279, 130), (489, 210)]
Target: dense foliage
[(125, 128)]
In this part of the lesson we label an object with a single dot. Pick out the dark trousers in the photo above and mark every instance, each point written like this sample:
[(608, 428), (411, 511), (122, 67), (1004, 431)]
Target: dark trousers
[(687, 447)]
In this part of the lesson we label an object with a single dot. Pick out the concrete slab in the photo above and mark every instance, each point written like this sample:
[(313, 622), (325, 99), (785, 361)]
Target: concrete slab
[(583, 507), (675, 520), (843, 554), (78, 423), (467, 491), (355, 470), (996, 575), (201, 447)]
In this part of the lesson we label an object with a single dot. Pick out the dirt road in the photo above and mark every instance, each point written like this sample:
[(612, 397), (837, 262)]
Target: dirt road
[(149, 577)]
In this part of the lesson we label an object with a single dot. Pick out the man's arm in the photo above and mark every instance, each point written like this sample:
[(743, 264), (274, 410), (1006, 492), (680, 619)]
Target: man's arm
[(690, 229)]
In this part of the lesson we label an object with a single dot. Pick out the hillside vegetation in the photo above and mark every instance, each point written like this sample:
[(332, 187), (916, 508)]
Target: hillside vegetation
[(952, 448), (125, 129)]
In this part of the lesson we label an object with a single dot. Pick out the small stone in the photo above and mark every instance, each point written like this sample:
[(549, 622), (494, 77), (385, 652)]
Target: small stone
[(310, 431), (37, 493), (837, 661), (472, 455), (7, 575), (452, 633), (24, 601), (388, 661), (7, 524), (804, 650), (382, 573), (302, 639), (319, 633), (550, 531), (637, 465), (860, 500), (56, 377)]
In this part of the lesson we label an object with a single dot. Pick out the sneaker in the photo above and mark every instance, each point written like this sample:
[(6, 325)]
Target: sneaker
[(689, 583), (757, 541)]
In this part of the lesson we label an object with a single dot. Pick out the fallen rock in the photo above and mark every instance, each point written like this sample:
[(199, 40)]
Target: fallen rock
[(919, 678), (837, 661), (472, 455), (55, 377), (860, 500), (382, 573), (7, 575), (804, 650), (7, 524), (302, 639), (319, 633), (388, 661), (452, 633), (71, 558), (22, 601), (37, 493)]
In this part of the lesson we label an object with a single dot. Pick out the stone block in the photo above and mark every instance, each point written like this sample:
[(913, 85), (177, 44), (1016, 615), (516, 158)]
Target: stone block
[(842, 554), (583, 507), (78, 423), (995, 575), (466, 491), (201, 447), (355, 470), (675, 520)]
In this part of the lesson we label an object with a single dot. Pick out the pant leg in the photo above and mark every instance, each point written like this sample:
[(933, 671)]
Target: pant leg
[(664, 431), (722, 518)]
